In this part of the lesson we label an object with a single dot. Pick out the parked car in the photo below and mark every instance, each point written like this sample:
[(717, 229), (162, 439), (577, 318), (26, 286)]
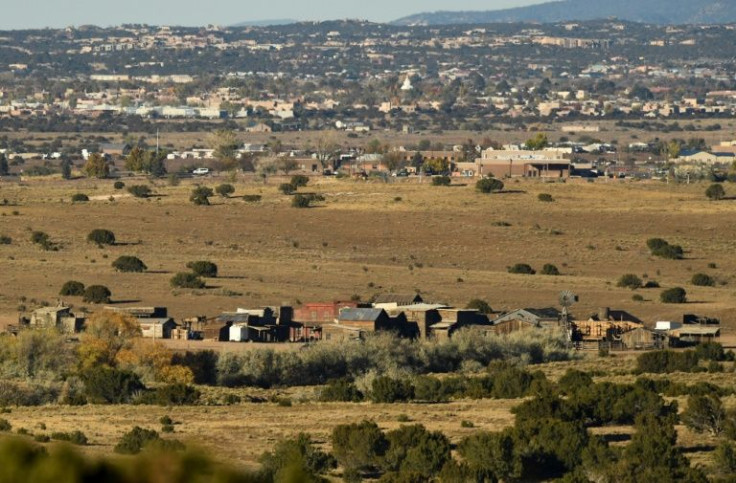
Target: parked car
[(201, 171)]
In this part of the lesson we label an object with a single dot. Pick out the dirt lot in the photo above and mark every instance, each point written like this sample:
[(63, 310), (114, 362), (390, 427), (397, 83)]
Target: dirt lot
[(373, 237)]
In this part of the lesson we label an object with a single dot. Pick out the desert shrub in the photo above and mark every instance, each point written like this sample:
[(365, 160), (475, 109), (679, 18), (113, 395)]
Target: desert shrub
[(101, 237), (202, 363), (296, 459), (430, 389), (574, 380), (299, 180), (305, 200), (712, 351), (491, 456), (651, 284), (287, 188), (203, 268), (387, 390), (5, 425), (186, 280), (118, 185), (414, 450), (79, 198), (629, 280), (480, 305), (441, 181), (511, 383), (104, 385), (675, 295), (42, 239), (252, 198), (97, 294), (41, 438), (135, 440), (225, 190), (171, 395), (667, 361), (341, 390), (127, 263), (488, 185), (715, 192), (637, 297), (72, 288), (359, 446), (704, 414), (167, 428), (140, 190), (74, 437), (467, 424), (661, 248), (703, 280), (5, 240), (549, 269), (522, 268), (725, 458), (201, 195), (546, 197)]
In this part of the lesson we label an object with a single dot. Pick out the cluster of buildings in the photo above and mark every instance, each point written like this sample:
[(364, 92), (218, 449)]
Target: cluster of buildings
[(301, 76), (407, 316)]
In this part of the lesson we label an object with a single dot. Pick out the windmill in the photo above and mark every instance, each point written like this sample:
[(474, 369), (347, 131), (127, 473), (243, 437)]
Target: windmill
[(567, 299)]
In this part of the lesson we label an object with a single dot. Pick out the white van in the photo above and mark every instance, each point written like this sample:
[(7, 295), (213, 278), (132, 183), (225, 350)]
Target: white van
[(201, 171)]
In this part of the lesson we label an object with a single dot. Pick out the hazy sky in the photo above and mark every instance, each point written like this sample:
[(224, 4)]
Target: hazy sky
[(21, 14)]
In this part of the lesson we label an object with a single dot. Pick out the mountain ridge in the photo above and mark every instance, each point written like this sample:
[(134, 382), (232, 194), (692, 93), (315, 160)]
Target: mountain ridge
[(661, 12)]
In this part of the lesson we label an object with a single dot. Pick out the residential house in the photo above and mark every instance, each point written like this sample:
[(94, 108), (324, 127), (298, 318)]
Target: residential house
[(392, 301), (544, 318), (154, 322), (356, 323), (60, 318)]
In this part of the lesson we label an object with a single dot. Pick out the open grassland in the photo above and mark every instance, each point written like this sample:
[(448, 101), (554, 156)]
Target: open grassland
[(372, 237), (364, 240)]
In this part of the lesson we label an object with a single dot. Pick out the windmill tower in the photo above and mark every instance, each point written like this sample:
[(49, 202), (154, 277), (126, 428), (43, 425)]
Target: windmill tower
[(567, 299)]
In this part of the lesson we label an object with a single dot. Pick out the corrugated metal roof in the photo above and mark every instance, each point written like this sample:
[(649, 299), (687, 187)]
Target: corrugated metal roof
[(399, 299), (368, 315)]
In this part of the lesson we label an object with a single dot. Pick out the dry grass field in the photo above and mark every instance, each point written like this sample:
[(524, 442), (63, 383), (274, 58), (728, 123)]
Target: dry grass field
[(240, 433), (372, 237)]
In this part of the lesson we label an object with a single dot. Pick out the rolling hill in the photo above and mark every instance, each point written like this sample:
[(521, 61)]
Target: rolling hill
[(662, 12)]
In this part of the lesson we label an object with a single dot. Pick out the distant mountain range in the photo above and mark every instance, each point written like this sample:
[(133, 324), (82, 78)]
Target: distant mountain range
[(662, 12), (265, 23)]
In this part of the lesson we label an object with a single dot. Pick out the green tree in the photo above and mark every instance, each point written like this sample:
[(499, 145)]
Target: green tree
[(127, 263), (96, 166), (187, 280), (538, 142), (549, 269), (101, 237), (629, 280), (296, 456), (715, 192), (414, 450), (225, 190), (491, 456), (135, 160), (704, 413), (480, 305), (359, 446), (72, 288), (489, 185), (201, 195), (140, 190), (703, 280), (66, 168), (97, 294), (675, 295), (203, 268)]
